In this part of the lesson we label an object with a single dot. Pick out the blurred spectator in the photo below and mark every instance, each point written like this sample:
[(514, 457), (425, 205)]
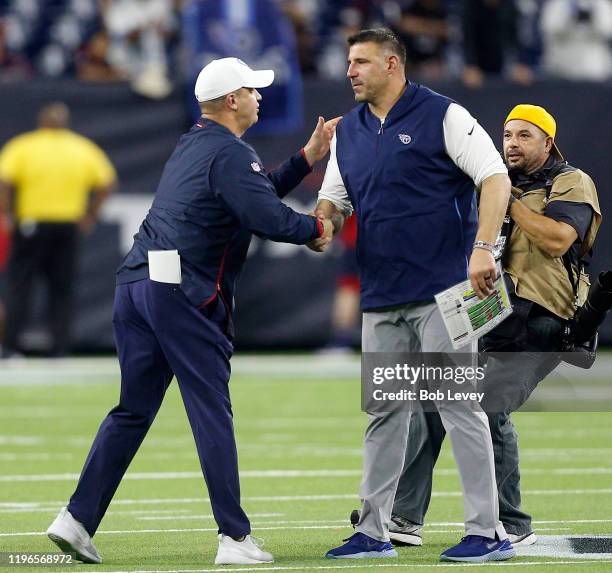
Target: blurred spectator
[(92, 61), (305, 38), (4, 251), (138, 30), (489, 33), (45, 181), (346, 315), (13, 67), (577, 35), (529, 32), (340, 19), (424, 29)]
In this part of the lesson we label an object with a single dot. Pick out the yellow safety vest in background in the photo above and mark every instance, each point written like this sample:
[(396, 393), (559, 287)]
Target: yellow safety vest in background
[(53, 171)]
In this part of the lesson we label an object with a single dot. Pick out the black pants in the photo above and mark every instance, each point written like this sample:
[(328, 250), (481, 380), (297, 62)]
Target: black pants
[(46, 250)]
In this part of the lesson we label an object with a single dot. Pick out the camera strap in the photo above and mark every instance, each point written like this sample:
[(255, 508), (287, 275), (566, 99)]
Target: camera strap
[(566, 258), (575, 282)]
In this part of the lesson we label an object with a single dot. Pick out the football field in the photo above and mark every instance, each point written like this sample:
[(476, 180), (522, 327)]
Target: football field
[(299, 431)]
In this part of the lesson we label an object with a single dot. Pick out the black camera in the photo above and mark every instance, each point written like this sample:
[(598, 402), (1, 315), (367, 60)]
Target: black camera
[(579, 338), (584, 14)]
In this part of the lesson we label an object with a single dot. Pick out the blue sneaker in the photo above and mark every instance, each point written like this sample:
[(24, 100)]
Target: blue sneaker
[(361, 546), (478, 549)]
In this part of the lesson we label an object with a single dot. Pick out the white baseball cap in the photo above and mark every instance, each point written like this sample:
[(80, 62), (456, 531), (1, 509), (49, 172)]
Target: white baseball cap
[(223, 76)]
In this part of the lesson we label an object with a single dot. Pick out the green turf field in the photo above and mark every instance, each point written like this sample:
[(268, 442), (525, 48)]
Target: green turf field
[(299, 431)]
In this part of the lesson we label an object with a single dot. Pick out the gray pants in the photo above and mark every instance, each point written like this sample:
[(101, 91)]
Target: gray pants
[(532, 338), (418, 327)]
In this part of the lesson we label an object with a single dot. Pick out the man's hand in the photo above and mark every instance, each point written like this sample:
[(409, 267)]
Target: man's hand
[(318, 144), (482, 272), (320, 244)]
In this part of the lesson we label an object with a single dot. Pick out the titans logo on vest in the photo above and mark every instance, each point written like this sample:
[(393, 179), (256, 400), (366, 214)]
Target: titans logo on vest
[(405, 139)]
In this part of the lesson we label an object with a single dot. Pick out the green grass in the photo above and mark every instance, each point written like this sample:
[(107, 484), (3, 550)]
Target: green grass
[(284, 422)]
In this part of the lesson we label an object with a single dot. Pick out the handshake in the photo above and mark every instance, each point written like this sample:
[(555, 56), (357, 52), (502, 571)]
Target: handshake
[(320, 244)]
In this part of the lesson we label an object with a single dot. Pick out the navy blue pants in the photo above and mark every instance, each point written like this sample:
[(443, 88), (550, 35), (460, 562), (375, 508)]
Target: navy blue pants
[(159, 334)]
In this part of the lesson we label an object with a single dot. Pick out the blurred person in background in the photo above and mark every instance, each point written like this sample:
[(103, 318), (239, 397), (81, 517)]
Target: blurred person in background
[(489, 35), (93, 63), (340, 19), (424, 29), (46, 177), (138, 30), (13, 67), (529, 40), (346, 315), (5, 241), (305, 37), (577, 35)]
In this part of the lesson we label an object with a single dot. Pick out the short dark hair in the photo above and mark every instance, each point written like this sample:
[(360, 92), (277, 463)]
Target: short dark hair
[(383, 37)]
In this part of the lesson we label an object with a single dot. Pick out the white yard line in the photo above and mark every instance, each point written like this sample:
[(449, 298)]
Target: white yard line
[(179, 530), (208, 516), (359, 566), (282, 450), (295, 450), (287, 521), (284, 474), (44, 506), (31, 457), (263, 526), (307, 366), (75, 371), (182, 500), (266, 474)]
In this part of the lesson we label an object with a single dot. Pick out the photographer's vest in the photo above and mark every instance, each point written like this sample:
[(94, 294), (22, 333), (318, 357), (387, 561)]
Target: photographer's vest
[(537, 276)]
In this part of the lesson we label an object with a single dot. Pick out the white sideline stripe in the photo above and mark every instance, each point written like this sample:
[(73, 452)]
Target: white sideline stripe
[(181, 500), (182, 530), (206, 516), (190, 475), (247, 363), (362, 566), (34, 372), (287, 521), (263, 526), (282, 451), (434, 494), (18, 507), (267, 474)]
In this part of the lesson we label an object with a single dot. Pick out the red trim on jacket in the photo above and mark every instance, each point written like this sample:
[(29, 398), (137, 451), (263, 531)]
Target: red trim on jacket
[(219, 278), (303, 154), (320, 228)]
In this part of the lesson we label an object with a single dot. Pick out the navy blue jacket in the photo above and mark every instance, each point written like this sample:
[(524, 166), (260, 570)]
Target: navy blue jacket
[(416, 210), (213, 194)]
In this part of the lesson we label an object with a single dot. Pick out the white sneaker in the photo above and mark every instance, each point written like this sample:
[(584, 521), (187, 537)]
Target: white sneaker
[(248, 551), (522, 540), (70, 536), (404, 532)]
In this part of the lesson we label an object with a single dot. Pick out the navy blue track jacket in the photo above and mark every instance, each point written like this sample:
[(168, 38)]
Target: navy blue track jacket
[(213, 194)]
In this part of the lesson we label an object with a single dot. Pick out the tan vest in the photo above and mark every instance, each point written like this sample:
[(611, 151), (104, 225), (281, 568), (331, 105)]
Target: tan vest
[(537, 276)]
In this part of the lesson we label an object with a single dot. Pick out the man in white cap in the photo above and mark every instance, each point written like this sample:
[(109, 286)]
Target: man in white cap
[(174, 301)]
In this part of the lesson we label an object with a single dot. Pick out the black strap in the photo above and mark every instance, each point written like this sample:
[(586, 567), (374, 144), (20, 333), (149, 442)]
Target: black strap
[(566, 258), (567, 263)]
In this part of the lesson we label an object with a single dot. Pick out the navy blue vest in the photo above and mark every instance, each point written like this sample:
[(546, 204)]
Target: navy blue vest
[(416, 210)]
